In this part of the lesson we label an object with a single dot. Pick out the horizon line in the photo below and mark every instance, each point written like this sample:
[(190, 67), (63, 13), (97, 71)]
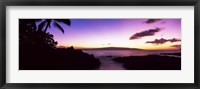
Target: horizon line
[(81, 48)]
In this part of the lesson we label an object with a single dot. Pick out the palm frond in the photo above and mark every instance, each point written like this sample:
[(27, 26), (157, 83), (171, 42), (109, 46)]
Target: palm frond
[(66, 21), (41, 26), (49, 24), (59, 27)]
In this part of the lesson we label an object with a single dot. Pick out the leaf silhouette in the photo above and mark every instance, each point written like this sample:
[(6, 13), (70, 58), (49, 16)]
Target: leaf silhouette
[(41, 25), (59, 27), (47, 24)]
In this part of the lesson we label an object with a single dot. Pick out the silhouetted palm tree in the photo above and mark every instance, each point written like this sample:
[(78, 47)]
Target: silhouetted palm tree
[(47, 24)]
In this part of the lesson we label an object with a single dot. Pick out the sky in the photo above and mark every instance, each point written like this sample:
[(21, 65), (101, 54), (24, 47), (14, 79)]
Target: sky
[(148, 34)]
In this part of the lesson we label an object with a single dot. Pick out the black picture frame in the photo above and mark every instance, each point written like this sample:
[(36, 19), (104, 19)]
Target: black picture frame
[(4, 3)]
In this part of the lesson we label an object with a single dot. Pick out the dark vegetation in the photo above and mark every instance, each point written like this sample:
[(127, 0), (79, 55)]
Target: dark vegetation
[(150, 62), (37, 48)]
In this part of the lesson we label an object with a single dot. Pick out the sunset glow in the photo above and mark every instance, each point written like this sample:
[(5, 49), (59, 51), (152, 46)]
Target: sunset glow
[(129, 33)]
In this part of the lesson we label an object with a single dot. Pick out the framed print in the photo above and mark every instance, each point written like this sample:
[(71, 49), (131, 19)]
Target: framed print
[(107, 44)]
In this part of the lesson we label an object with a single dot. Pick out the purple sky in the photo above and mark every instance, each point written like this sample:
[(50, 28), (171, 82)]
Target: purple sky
[(97, 33)]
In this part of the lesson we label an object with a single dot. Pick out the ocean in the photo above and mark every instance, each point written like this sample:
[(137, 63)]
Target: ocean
[(123, 53), (106, 56)]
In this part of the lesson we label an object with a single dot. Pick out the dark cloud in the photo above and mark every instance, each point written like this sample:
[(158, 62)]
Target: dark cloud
[(162, 41), (174, 40), (176, 46), (150, 21), (149, 32), (158, 41)]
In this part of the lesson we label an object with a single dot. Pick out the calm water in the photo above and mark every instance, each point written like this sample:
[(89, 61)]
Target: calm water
[(108, 64), (120, 53), (105, 56)]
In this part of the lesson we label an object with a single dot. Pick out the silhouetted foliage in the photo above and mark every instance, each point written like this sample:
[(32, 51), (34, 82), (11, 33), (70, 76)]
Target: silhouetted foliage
[(28, 24), (150, 62), (29, 36), (47, 24), (37, 49)]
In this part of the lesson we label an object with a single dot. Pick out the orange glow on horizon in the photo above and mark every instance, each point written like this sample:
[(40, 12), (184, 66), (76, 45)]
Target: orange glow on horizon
[(143, 47)]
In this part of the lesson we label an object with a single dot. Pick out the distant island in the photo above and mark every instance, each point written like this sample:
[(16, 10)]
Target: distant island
[(111, 48)]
